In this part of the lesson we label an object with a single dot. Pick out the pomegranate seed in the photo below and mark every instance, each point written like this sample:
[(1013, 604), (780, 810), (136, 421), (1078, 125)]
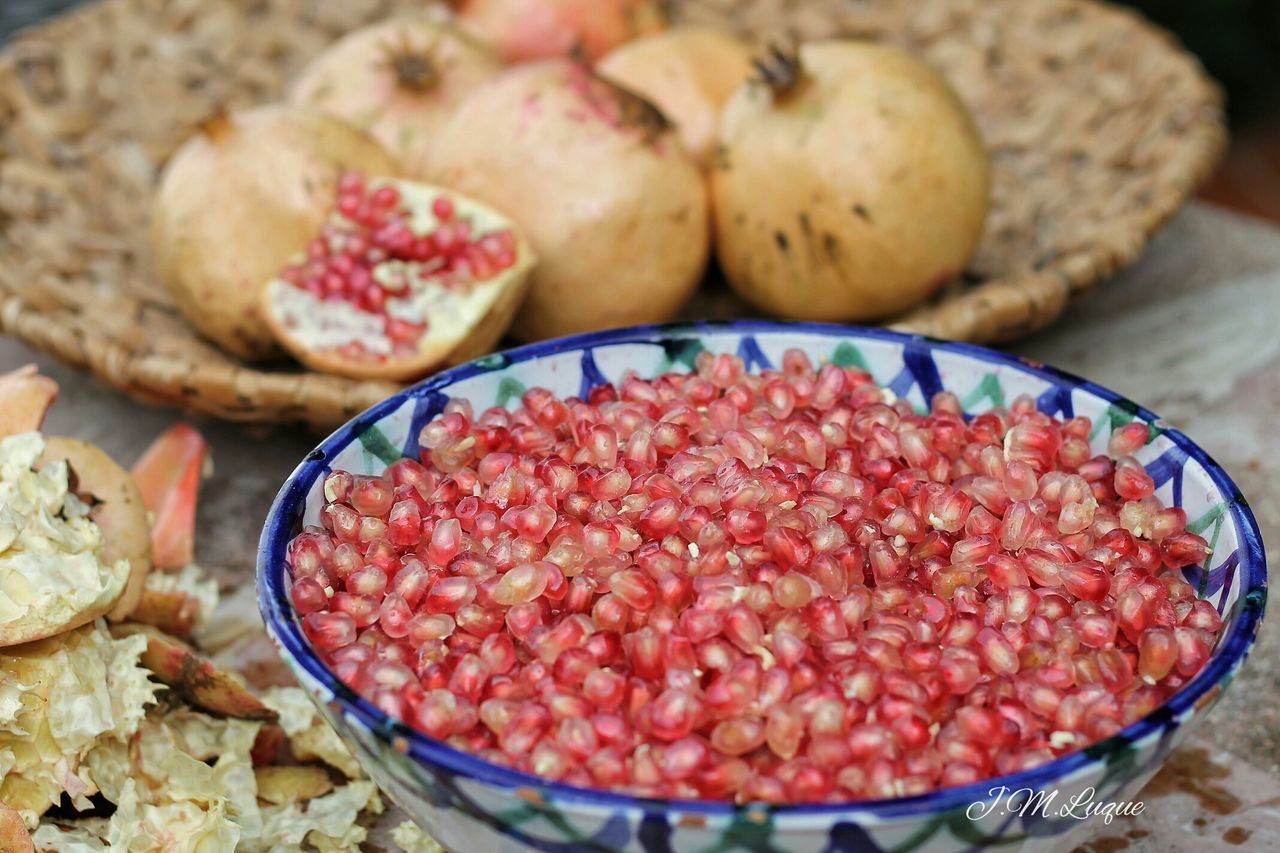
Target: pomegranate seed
[(746, 526), (469, 677), (1184, 549), (784, 730), (527, 724), (673, 715), (438, 714), (371, 496), (404, 524), (1157, 654), (1132, 482), (411, 582), (308, 595), (1128, 439), (634, 588), (330, 631), (1086, 579), (577, 738), (605, 689), (394, 615), (521, 584), (738, 736), (498, 653), (448, 595), (363, 609), (731, 586)]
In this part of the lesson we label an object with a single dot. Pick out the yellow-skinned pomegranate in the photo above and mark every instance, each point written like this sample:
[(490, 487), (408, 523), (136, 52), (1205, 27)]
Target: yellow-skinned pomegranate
[(850, 184), (398, 80), (614, 207)]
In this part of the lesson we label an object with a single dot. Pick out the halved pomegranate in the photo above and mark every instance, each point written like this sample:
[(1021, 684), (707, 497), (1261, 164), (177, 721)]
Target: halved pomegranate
[(403, 278)]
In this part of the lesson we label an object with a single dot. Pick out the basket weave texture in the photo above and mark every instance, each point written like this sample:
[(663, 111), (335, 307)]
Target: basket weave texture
[(1099, 127)]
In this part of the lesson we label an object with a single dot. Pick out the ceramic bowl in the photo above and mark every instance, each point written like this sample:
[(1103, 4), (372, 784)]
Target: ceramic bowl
[(471, 805)]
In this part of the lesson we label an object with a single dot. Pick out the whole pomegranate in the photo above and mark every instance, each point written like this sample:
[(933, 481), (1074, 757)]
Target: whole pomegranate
[(237, 201), (614, 207), (688, 73), (402, 278), (398, 80), (541, 29), (851, 183)]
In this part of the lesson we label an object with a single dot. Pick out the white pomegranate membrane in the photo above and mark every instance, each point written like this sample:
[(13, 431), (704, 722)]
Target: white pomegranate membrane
[(394, 260), (785, 587)]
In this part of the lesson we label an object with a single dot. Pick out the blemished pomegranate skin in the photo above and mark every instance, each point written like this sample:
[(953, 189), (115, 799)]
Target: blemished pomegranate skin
[(782, 587), (596, 176)]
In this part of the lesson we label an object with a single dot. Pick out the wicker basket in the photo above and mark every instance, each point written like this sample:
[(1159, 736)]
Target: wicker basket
[(1099, 128)]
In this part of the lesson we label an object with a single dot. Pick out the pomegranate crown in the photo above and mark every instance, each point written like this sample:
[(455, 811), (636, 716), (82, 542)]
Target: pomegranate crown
[(415, 67), (779, 68), (217, 126), (634, 111)]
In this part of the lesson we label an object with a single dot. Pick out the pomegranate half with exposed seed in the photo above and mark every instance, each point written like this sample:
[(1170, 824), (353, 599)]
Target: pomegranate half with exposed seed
[(237, 201), (402, 278), (398, 80)]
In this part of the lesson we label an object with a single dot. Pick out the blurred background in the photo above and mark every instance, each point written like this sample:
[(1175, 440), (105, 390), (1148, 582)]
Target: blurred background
[(1237, 40)]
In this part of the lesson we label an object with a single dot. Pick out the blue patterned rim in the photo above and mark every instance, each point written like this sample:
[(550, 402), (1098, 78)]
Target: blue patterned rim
[(282, 519)]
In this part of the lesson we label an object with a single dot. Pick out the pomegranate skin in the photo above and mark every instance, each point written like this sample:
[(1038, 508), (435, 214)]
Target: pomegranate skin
[(689, 73), (852, 194), (522, 30), (398, 81), (237, 201), (613, 206)]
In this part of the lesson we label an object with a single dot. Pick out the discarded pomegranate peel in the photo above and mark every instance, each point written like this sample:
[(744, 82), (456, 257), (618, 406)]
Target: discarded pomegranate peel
[(173, 612), (404, 277), (116, 507), (278, 785), (57, 571), (194, 678), (64, 695), (14, 837), (168, 477), (80, 712), (25, 397)]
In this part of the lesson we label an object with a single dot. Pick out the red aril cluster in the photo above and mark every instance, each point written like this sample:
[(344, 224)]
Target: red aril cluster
[(780, 587), (371, 227)]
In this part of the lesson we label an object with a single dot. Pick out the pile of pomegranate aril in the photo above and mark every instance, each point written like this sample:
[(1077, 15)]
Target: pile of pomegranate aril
[(371, 226), (783, 587)]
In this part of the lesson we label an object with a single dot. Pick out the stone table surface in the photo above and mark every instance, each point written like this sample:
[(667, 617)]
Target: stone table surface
[(1190, 332)]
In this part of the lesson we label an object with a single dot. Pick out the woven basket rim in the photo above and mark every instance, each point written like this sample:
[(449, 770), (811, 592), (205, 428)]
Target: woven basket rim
[(995, 310)]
